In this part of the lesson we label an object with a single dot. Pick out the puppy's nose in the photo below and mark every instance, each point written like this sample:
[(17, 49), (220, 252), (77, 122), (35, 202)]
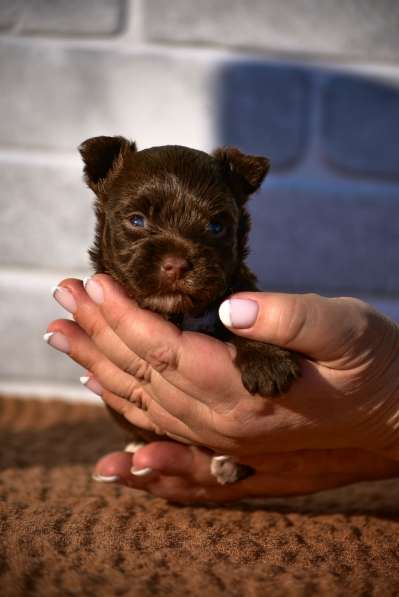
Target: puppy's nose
[(174, 267)]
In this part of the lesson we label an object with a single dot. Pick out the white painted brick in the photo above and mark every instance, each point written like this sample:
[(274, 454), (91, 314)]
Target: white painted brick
[(364, 28), (73, 17), (46, 215), (26, 309), (53, 97), (10, 14)]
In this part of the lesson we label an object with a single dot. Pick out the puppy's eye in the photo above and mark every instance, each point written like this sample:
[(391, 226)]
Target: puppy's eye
[(215, 227), (137, 220)]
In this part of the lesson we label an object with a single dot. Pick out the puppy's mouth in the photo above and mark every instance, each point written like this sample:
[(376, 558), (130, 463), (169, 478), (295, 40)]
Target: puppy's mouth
[(175, 286), (168, 303)]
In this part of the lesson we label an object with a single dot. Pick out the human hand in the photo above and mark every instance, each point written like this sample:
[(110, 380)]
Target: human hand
[(153, 374), (182, 473)]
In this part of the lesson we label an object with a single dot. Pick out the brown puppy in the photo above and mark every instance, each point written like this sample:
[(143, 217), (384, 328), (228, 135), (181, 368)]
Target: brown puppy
[(172, 228)]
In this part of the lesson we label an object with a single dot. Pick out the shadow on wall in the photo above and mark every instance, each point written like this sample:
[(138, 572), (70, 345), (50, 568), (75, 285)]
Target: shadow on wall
[(327, 217)]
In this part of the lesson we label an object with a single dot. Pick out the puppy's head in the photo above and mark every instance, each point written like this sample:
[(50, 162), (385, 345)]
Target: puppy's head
[(171, 221)]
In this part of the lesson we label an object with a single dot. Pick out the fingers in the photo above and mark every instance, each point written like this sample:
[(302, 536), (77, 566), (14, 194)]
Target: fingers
[(179, 357), (174, 472), (182, 474), (138, 372), (141, 342), (72, 295), (316, 326), (135, 399), (175, 460), (77, 344), (120, 391), (147, 334)]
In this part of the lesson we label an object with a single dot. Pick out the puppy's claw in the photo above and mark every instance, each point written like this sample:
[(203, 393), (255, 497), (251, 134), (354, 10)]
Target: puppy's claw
[(227, 471)]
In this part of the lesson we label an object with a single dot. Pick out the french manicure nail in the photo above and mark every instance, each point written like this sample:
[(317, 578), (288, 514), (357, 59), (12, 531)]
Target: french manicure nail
[(221, 458), (104, 479), (141, 472), (57, 340), (94, 290), (64, 298), (238, 313), (133, 447), (91, 384)]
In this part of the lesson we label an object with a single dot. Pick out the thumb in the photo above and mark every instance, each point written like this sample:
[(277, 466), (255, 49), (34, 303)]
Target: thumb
[(316, 326)]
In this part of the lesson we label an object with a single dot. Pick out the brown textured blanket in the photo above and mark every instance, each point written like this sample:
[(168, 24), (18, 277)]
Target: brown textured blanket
[(63, 534)]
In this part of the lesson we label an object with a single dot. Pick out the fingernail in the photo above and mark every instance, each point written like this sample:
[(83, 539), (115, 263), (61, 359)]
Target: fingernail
[(238, 313), (133, 447), (221, 458), (94, 290), (64, 298), (141, 472), (91, 384), (104, 479), (57, 340)]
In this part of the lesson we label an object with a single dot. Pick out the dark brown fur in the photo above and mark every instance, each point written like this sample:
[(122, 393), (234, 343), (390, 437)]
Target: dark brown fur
[(180, 191)]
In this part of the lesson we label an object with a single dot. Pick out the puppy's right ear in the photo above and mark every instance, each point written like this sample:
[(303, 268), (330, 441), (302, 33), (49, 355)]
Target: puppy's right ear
[(103, 159)]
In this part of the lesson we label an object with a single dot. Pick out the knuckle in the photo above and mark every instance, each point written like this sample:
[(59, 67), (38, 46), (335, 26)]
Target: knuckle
[(162, 357), (139, 398), (139, 368), (158, 430), (290, 321), (125, 410)]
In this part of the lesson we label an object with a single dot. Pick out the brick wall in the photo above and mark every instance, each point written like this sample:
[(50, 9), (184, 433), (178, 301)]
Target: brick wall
[(311, 83)]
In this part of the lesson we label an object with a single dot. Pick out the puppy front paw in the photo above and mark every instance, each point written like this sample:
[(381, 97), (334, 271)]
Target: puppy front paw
[(266, 369), (227, 471)]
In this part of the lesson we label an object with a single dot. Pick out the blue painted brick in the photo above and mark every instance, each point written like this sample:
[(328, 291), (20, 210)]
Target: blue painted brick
[(307, 239), (263, 109), (360, 125)]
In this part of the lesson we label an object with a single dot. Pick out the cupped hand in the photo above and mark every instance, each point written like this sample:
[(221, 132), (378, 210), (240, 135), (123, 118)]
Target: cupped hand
[(185, 384), (182, 473)]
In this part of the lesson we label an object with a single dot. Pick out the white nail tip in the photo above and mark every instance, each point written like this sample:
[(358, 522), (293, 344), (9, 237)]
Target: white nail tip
[(84, 379), (86, 281), (142, 472), (54, 289), (47, 336), (224, 313), (103, 479), (133, 447)]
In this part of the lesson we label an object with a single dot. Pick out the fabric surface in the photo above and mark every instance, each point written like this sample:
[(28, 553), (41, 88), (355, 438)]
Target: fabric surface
[(63, 534)]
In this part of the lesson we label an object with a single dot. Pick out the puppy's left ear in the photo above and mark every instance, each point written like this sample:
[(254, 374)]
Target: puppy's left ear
[(103, 159), (245, 173)]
